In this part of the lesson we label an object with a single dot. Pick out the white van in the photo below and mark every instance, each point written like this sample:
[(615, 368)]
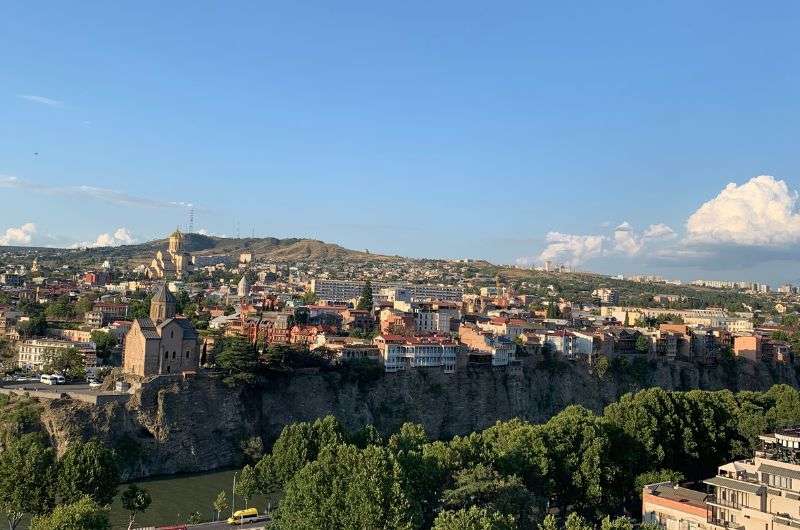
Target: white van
[(54, 379)]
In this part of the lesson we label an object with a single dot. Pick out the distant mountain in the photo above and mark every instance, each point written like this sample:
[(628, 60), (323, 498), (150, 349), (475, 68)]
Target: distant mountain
[(290, 249)]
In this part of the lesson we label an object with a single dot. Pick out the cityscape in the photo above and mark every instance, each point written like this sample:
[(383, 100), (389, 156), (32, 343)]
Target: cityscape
[(413, 266)]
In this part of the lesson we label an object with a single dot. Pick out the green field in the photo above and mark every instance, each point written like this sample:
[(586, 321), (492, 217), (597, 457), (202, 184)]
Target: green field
[(174, 498)]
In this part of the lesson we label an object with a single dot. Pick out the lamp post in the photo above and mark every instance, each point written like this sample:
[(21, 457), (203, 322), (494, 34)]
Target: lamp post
[(233, 497)]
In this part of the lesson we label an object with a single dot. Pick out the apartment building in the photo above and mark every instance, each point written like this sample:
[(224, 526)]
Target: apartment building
[(606, 296), (482, 341), (345, 290), (34, 354), (400, 353), (674, 508), (759, 493)]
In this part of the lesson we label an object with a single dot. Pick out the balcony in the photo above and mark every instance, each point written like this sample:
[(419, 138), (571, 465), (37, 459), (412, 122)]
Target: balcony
[(724, 524), (725, 503), (786, 520)]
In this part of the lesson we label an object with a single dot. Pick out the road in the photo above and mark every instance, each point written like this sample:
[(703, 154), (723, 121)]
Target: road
[(220, 526)]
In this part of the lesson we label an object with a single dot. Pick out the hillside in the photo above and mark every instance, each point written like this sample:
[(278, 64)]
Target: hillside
[(289, 249)]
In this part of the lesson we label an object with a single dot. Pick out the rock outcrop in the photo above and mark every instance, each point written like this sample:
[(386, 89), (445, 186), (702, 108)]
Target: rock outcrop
[(200, 424)]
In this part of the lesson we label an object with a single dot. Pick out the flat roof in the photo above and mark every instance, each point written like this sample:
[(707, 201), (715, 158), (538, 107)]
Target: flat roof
[(679, 494), (734, 484)]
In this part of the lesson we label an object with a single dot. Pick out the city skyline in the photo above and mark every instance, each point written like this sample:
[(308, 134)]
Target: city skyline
[(617, 140)]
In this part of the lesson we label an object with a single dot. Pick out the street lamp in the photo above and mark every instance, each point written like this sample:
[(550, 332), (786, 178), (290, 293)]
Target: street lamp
[(233, 497)]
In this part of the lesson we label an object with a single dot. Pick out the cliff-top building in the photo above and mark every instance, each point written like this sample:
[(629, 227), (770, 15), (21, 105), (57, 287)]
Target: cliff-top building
[(162, 343), (174, 263)]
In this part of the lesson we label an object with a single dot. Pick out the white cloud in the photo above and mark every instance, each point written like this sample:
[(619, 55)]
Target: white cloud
[(122, 236), (571, 249), (761, 212), (110, 196), (21, 235), (659, 231), (41, 100), (626, 240)]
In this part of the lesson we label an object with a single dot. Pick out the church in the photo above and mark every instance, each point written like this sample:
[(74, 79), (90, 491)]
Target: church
[(163, 343), (174, 263)]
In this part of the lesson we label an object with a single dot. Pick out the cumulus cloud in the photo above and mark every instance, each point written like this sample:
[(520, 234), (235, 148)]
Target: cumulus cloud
[(626, 241), (122, 236), (571, 249), (760, 212), (659, 231), (20, 235)]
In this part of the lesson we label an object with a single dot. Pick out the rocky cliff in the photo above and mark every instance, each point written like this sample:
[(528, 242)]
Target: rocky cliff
[(199, 424)]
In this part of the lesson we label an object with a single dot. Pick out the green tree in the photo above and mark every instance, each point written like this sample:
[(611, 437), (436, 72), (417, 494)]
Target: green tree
[(60, 308), (474, 518), (347, 488), (642, 344), (237, 356), (83, 514), (88, 469), (67, 361), (309, 297), (221, 503), (484, 487), (105, 342), (84, 304), (135, 500), (247, 484), (366, 302), (26, 479)]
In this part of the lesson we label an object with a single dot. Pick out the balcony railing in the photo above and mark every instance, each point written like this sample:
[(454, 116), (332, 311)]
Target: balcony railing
[(725, 524), (728, 503)]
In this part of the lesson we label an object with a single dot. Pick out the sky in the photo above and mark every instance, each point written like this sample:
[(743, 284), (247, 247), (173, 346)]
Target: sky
[(619, 137)]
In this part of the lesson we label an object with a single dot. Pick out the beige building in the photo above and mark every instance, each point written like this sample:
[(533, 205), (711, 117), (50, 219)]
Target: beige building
[(758, 493), (162, 343), (34, 354), (174, 263)]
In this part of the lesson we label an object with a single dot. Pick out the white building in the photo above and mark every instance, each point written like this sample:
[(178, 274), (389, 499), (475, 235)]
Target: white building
[(400, 353), (34, 354)]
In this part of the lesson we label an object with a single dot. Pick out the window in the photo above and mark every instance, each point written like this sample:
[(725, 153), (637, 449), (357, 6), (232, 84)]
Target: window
[(173, 354)]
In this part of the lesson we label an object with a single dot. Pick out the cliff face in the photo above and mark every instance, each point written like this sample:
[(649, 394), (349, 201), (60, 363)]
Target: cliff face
[(199, 424)]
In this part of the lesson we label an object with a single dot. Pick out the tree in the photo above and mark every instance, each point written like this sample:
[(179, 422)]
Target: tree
[(365, 302), (67, 361), (348, 488), (105, 342), (484, 487), (473, 518), (221, 503), (84, 305), (135, 500), (60, 308), (84, 514), (309, 297), (88, 469), (642, 344), (237, 356), (247, 484), (26, 479), (7, 356), (656, 477)]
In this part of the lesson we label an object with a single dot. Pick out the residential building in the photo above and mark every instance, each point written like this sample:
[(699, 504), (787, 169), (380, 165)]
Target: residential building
[(675, 508), (399, 353), (34, 354), (482, 341), (346, 290), (606, 296)]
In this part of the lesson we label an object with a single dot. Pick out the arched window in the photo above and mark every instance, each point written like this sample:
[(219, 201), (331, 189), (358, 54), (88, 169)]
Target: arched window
[(173, 354)]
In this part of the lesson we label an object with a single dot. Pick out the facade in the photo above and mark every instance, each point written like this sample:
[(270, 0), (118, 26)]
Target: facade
[(34, 354), (346, 290), (485, 342), (174, 263), (674, 508), (163, 343), (606, 296), (400, 353)]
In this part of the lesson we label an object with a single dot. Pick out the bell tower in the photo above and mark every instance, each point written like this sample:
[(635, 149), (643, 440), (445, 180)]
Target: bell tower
[(162, 305)]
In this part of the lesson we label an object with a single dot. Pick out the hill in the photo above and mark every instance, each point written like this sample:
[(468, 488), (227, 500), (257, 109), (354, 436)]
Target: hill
[(289, 249)]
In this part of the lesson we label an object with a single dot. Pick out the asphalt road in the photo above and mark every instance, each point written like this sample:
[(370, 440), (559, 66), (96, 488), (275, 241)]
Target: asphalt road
[(225, 526)]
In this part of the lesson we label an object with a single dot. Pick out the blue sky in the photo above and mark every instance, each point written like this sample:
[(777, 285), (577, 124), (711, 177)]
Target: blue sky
[(441, 129)]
